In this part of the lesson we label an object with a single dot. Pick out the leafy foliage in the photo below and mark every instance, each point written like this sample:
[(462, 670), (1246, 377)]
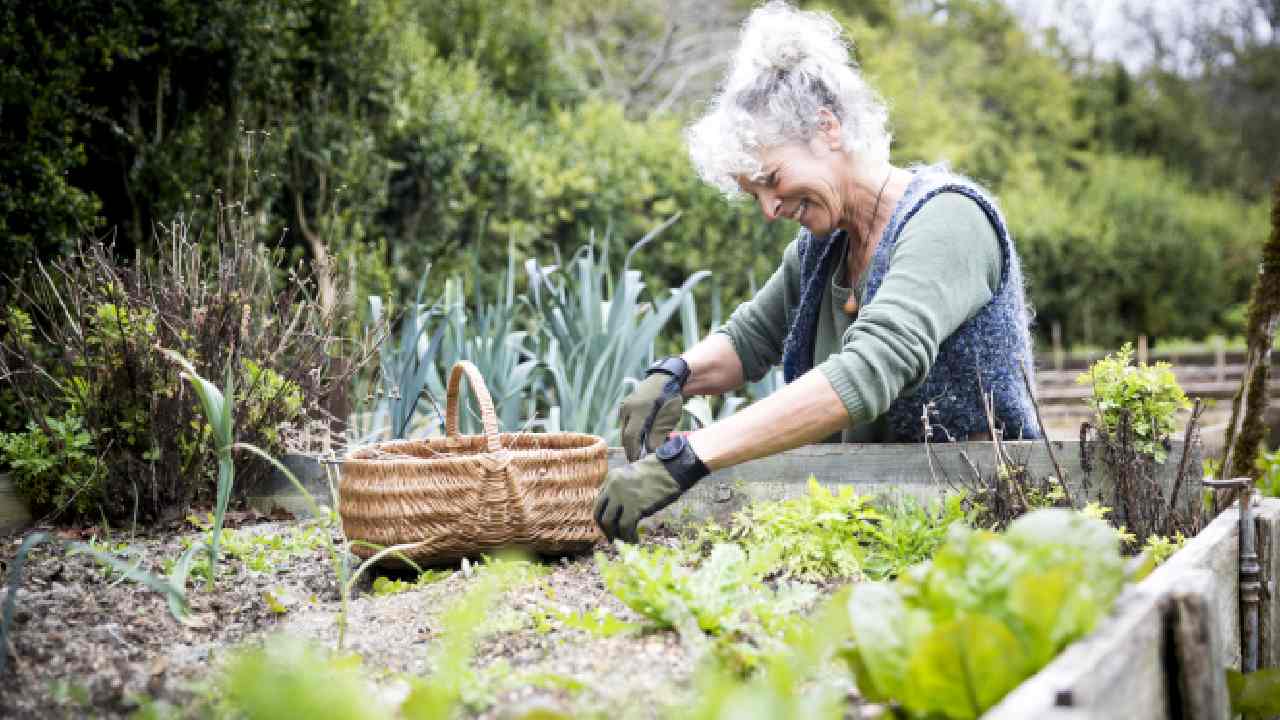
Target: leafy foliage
[(1160, 548), (951, 637), (834, 533), (724, 593), (55, 465), (288, 676), (1146, 397), (77, 351)]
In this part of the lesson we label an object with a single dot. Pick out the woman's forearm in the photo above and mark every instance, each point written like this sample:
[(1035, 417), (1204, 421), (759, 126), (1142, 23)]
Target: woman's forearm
[(714, 366), (805, 411)]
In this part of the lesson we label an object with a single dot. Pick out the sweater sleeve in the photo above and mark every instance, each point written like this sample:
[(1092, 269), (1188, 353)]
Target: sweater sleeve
[(758, 327), (945, 267)]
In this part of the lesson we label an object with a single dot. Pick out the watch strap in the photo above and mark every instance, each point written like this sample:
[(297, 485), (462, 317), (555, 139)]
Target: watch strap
[(674, 366), (682, 462)]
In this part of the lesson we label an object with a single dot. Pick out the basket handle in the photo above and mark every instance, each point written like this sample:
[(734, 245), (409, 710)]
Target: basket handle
[(452, 406)]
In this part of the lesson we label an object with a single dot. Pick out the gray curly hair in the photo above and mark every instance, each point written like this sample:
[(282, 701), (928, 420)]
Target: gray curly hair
[(789, 65)]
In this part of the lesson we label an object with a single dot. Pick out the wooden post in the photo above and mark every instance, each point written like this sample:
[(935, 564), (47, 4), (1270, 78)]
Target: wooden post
[(1142, 349), (1057, 347), (1219, 359)]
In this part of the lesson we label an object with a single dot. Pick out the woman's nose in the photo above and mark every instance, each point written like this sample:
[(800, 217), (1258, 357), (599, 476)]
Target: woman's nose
[(770, 205)]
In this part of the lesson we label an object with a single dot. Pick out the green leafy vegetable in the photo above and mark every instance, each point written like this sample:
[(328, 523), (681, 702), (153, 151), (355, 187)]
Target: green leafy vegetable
[(951, 637)]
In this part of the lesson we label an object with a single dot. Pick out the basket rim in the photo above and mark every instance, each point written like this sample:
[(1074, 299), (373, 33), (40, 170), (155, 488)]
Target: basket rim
[(595, 444)]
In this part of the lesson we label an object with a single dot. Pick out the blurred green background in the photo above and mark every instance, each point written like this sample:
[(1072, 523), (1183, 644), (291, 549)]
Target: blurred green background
[(396, 133)]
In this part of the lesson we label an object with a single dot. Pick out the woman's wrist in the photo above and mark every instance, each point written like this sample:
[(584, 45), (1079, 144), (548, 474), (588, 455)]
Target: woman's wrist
[(714, 367), (806, 411)]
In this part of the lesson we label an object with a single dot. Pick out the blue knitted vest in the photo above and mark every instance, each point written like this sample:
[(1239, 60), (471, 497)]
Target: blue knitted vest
[(984, 353)]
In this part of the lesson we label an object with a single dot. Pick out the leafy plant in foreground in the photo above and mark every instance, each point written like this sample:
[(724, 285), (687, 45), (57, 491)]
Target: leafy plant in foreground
[(951, 637)]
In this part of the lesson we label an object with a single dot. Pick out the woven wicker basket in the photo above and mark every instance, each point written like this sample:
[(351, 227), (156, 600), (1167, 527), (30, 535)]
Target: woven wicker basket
[(449, 497)]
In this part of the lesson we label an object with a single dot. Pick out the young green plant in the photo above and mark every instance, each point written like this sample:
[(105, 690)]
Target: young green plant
[(219, 412)]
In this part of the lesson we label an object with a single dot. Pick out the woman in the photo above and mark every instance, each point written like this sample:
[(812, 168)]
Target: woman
[(897, 309)]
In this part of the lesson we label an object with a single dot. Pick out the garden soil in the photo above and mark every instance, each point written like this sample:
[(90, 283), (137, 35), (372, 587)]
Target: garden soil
[(86, 643)]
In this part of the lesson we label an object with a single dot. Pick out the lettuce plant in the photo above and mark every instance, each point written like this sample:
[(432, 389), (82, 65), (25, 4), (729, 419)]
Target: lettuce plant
[(951, 637)]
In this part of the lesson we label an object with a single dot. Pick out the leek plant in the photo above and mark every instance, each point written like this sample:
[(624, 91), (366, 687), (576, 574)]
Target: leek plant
[(219, 411), (405, 366), (217, 405), (175, 594), (487, 333), (599, 334)]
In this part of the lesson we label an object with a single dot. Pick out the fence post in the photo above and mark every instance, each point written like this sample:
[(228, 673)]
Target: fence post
[(1219, 359), (1057, 346)]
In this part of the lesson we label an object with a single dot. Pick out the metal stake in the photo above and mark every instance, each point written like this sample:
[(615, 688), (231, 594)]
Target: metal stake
[(1250, 571)]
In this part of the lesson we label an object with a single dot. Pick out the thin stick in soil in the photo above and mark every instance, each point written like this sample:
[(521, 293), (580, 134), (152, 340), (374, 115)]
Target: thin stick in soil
[(1062, 479)]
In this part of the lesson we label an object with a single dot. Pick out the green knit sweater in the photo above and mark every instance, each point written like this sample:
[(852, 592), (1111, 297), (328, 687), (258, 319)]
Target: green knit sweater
[(945, 267)]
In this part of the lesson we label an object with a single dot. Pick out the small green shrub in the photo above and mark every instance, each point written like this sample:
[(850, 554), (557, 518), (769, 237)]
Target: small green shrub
[(1149, 395), (1160, 548), (54, 466), (288, 677), (1268, 464)]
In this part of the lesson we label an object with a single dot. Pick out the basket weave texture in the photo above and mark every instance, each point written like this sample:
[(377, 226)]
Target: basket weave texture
[(448, 497)]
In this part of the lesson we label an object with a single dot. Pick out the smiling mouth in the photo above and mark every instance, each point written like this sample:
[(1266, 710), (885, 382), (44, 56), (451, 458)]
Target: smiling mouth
[(799, 211)]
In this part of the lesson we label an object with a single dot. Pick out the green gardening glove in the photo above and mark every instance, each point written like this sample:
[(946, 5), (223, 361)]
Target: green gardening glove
[(650, 413), (633, 492)]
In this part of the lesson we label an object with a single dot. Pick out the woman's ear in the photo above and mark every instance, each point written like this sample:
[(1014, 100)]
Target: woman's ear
[(829, 128)]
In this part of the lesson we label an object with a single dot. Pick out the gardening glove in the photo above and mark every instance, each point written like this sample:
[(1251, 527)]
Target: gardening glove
[(633, 492), (650, 413)]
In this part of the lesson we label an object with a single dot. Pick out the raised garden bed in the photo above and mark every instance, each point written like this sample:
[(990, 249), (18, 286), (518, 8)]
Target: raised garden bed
[(85, 641)]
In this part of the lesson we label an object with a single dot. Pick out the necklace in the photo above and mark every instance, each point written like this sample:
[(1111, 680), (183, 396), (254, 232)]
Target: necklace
[(851, 305)]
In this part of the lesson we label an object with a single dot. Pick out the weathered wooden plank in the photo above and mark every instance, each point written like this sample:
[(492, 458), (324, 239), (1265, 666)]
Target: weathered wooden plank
[(1150, 659), (1216, 551), (905, 469), (278, 491), (14, 516), (1199, 686), (1268, 519), (893, 469), (1117, 672)]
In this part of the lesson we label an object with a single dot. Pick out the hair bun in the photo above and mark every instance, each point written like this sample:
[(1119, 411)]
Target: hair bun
[(777, 36), (782, 50)]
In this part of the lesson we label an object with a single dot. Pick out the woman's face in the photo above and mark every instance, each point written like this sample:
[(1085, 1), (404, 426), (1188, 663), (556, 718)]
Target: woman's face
[(801, 181)]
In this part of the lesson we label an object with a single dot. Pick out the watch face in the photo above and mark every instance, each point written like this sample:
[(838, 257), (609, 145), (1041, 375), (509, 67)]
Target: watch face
[(671, 448)]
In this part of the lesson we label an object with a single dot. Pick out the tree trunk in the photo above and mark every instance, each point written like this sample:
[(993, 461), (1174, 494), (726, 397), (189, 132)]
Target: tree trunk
[(1248, 413)]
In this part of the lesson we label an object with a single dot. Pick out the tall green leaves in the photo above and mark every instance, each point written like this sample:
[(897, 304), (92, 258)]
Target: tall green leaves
[(599, 334), (405, 364)]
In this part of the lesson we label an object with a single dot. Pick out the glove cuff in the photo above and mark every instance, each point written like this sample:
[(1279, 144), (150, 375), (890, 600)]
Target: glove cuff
[(676, 367), (682, 462)]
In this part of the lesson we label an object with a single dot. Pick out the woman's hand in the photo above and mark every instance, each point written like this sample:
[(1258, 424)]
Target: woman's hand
[(650, 413)]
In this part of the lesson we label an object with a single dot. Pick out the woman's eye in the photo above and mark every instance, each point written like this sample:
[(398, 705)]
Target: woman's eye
[(773, 178)]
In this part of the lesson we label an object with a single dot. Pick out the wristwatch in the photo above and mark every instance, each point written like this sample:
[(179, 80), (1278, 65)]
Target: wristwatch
[(681, 461), (676, 367)]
